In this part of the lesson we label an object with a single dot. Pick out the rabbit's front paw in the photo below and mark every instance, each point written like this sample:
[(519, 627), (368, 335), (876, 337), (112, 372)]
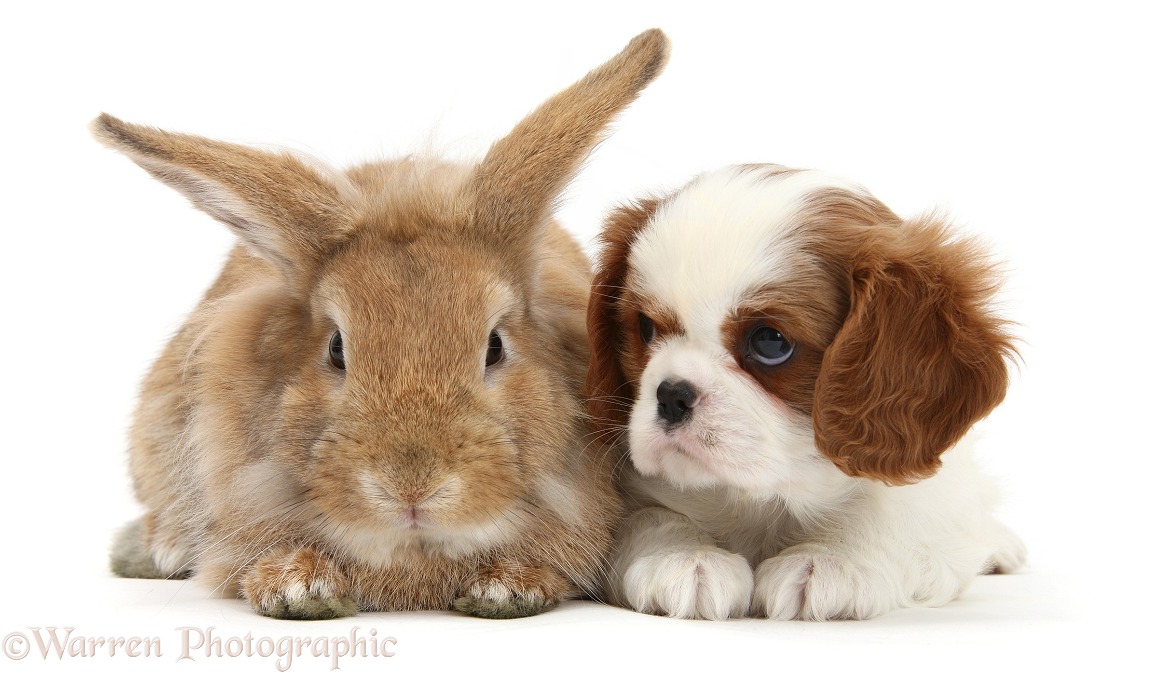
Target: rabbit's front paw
[(511, 590), (703, 583), (298, 584), (812, 582)]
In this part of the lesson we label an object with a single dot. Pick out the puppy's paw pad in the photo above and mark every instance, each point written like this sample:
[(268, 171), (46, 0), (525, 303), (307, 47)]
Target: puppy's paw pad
[(703, 583), (302, 584), (812, 583)]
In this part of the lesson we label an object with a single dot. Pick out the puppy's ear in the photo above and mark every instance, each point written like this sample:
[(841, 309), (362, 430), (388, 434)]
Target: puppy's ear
[(609, 394), (919, 359)]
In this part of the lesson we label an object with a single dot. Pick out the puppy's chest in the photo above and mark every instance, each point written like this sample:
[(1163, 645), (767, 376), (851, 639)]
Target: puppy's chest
[(754, 529), (756, 532)]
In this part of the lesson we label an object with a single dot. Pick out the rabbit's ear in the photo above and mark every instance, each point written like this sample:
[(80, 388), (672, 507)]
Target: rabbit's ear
[(285, 210), (514, 187)]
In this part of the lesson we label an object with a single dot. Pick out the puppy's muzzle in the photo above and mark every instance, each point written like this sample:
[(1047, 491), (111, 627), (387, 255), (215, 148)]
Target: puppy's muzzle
[(677, 400)]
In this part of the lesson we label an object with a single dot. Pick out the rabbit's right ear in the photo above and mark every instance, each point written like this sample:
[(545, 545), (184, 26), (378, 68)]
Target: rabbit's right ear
[(285, 210), (515, 186)]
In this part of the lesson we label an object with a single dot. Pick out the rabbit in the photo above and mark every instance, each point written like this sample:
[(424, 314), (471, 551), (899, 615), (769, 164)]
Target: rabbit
[(378, 404)]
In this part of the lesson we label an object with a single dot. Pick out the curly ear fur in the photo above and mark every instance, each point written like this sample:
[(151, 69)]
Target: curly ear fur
[(609, 394), (919, 359)]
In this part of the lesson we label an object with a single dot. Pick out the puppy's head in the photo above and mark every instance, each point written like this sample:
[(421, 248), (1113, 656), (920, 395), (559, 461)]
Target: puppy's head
[(764, 325)]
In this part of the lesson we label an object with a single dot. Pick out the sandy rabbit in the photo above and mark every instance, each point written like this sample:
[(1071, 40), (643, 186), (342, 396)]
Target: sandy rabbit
[(378, 404)]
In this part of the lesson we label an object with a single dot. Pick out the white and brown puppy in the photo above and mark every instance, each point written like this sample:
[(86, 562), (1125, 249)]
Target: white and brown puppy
[(794, 366)]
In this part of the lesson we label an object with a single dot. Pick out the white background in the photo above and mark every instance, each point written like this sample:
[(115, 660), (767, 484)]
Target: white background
[(1037, 125)]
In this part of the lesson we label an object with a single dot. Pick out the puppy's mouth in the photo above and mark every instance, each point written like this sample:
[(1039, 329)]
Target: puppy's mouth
[(682, 441), (691, 437), (672, 435), (687, 450)]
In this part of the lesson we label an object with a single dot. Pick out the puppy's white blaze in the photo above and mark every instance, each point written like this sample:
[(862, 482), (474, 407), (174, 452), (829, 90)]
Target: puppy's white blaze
[(704, 251)]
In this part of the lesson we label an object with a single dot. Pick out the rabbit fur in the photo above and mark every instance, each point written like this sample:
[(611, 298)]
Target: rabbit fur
[(439, 456)]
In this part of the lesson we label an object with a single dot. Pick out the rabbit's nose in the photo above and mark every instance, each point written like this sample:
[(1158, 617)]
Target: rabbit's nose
[(422, 504), (429, 495)]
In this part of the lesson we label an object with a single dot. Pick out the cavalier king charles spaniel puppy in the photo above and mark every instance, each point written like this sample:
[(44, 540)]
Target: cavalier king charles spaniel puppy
[(792, 369)]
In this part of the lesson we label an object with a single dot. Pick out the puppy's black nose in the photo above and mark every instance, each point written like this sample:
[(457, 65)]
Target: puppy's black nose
[(676, 399)]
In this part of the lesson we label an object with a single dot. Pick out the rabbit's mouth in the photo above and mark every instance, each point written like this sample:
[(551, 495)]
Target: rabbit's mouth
[(380, 541), (410, 506), (415, 518)]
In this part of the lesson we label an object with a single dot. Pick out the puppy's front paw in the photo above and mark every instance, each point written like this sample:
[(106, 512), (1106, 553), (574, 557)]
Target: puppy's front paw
[(298, 584), (1010, 554), (702, 583), (811, 582), (511, 590)]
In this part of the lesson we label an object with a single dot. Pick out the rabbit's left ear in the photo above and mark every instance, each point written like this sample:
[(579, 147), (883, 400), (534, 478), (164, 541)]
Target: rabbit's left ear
[(285, 210), (514, 188)]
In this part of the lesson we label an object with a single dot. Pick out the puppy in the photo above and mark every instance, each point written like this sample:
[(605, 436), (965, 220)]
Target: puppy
[(794, 368)]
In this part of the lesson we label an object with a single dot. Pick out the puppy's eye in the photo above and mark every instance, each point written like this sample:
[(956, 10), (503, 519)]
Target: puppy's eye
[(335, 352), (769, 346), (646, 329), (495, 351)]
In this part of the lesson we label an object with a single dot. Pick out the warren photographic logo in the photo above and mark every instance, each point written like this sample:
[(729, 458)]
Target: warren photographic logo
[(194, 644)]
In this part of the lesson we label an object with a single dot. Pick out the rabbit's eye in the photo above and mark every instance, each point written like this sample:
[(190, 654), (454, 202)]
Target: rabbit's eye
[(335, 351), (495, 351)]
